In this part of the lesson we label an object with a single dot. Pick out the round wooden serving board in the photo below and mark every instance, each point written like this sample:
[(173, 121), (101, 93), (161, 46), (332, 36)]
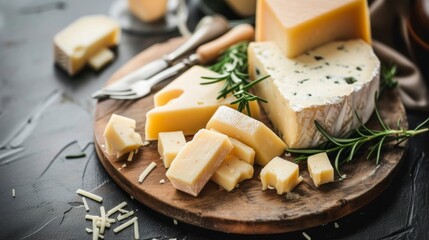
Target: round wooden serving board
[(247, 209)]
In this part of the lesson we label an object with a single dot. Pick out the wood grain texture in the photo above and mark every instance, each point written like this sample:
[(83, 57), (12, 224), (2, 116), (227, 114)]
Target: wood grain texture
[(247, 209)]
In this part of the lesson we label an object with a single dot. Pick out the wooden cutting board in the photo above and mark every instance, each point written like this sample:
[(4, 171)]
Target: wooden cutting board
[(247, 209)]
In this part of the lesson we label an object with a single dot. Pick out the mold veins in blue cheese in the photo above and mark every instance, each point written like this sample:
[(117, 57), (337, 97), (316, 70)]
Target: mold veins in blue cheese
[(327, 84)]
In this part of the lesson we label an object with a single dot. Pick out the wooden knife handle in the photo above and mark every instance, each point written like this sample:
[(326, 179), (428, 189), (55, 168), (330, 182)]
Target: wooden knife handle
[(211, 50)]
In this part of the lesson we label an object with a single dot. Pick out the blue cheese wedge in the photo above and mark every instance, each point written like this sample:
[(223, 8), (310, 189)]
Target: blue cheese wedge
[(326, 84)]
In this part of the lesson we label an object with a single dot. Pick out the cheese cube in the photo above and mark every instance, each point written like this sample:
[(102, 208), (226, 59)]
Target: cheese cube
[(101, 59), (241, 150), (83, 39), (320, 169), (297, 26), (198, 160), (327, 84), (186, 105), (280, 174), (148, 10), (231, 172), (169, 144), (120, 137), (251, 132)]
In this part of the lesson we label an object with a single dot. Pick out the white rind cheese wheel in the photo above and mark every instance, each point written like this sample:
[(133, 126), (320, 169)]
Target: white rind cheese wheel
[(327, 84)]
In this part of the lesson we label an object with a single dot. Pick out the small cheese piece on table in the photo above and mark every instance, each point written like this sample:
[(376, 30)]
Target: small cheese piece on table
[(297, 25), (251, 132), (169, 144), (120, 137), (320, 169), (231, 172), (280, 174), (327, 84), (186, 105), (83, 39), (101, 59), (241, 150), (198, 160)]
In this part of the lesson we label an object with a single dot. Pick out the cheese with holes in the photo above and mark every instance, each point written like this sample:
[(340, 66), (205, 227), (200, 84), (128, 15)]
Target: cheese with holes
[(320, 169), (250, 131), (148, 10), (186, 105), (241, 150), (297, 25), (120, 136), (231, 172), (169, 144), (280, 174), (83, 39), (198, 160), (327, 84)]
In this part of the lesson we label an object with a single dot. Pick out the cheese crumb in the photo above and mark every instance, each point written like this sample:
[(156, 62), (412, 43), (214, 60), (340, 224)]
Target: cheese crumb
[(85, 204), (336, 225), (124, 165), (13, 192), (270, 187), (145, 143), (306, 236), (175, 222), (146, 172), (162, 181), (89, 195), (130, 156)]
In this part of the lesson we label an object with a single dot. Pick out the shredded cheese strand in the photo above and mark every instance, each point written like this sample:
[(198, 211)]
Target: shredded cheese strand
[(103, 219), (85, 204), (136, 230), (124, 216), (146, 172), (115, 209), (125, 225), (89, 195)]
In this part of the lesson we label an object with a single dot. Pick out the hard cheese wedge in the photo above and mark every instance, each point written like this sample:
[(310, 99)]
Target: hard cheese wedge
[(83, 39), (249, 131), (186, 105), (231, 172), (297, 25), (120, 137), (280, 174), (198, 160), (320, 169), (169, 144), (241, 150), (327, 84)]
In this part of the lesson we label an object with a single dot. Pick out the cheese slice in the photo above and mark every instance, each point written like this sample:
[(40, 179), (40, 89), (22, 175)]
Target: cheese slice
[(83, 39), (186, 105), (169, 144), (250, 131), (327, 84), (320, 169), (120, 137), (198, 160), (299, 25), (231, 172), (280, 174), (148, 10)]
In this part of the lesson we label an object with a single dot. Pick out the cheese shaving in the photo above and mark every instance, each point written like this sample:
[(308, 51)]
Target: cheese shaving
[(124, 216), (13, 192), (130, 156), (123, 210), (146, 172), (306, 236), (125, 225), (136, 230), (115, 209), (89, 195), (85, 204), (336, 225), (175, 222)]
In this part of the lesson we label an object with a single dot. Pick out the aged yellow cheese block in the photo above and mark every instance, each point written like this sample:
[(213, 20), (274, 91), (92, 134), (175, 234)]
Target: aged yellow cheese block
[(169, 144), (231, 172), (120, 137), (83, 39), (251, 132), (186, 105), (320, 169), (299, 25), (281, 174), (198, 160)]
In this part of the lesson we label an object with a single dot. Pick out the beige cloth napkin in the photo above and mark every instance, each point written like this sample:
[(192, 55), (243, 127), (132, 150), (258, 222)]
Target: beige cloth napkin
[(387, 20)]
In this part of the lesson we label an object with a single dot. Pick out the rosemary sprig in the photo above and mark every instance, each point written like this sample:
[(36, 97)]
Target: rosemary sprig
[(387, 80), (232, 66), (344, 149)]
